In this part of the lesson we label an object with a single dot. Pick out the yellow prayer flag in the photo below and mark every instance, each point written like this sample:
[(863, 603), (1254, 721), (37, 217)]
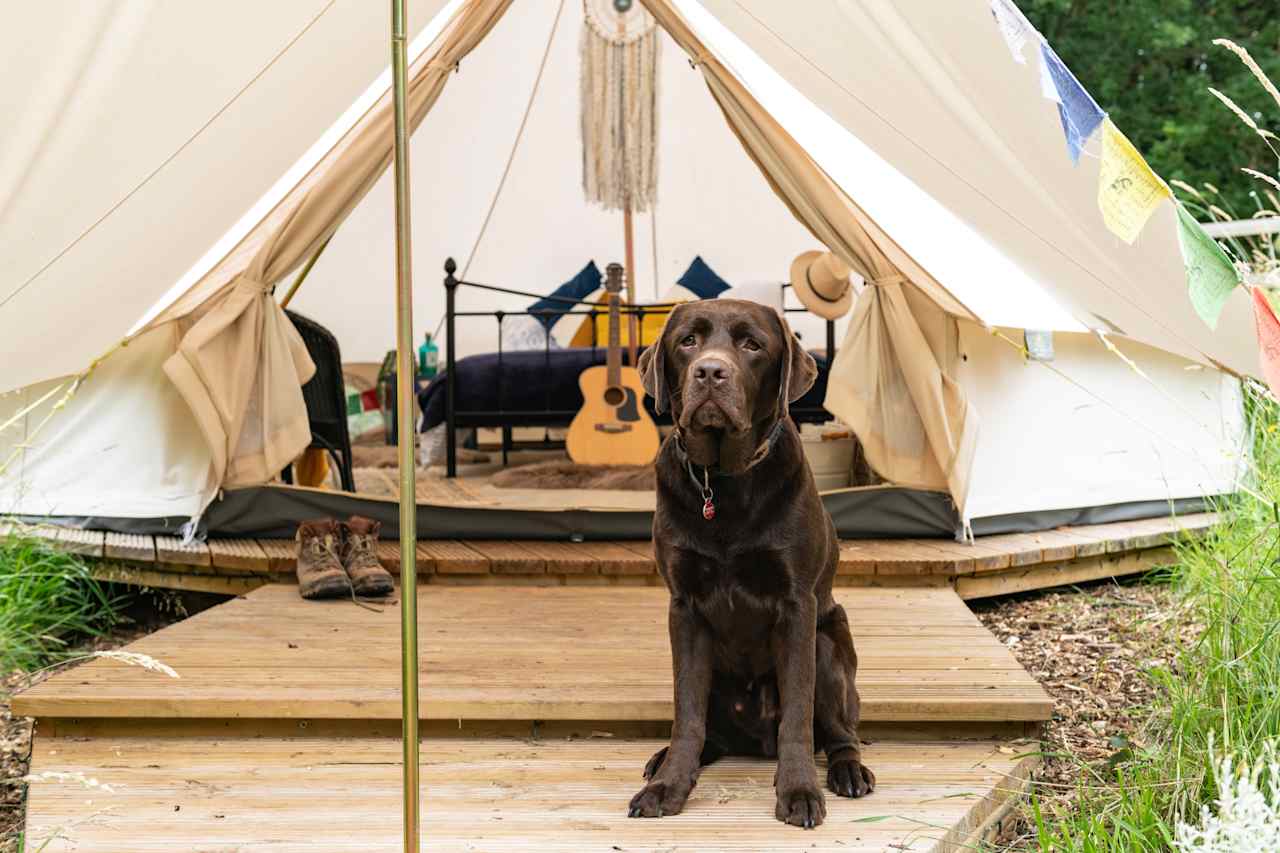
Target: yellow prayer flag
[(1128, 191)]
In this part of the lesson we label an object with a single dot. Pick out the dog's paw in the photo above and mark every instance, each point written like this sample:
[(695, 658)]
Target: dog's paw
[(660, 799), (655, 762), (801, 805), (850, 778)]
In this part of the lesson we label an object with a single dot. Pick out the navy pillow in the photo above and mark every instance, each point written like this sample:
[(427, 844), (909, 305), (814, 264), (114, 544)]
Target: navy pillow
[(702, 281), (548, 311)]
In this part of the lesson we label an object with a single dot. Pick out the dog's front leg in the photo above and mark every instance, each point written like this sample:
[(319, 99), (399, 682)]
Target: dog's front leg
[(691, 660), (800, 801)]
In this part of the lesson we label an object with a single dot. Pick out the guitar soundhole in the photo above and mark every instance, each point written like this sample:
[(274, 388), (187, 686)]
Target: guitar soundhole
[(614, 396)]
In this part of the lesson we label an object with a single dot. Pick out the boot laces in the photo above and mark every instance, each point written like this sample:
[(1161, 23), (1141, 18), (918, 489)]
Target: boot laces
[(362, 547), (324, 546)]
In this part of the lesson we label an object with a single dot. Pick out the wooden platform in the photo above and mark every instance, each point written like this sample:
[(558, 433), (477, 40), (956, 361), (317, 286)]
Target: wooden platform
[(308, 794), (546, 653), (280, 731), (993, 565)]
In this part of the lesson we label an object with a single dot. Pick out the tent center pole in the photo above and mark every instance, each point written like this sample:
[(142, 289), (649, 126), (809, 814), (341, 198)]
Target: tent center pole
[(406, 405)]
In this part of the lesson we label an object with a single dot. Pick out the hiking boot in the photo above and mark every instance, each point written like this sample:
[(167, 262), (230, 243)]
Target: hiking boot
[(360, 558), (320, 572)]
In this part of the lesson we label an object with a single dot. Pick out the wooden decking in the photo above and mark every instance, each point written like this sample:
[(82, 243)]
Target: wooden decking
[(549, 796), (545, 684), (279, 733), (992, 565), (548, 653)]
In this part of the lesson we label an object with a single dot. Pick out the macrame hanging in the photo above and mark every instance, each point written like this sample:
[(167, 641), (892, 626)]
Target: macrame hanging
[(619, 105)]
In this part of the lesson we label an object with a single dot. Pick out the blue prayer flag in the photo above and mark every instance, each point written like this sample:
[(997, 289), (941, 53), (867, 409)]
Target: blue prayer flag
[(1079, 112)]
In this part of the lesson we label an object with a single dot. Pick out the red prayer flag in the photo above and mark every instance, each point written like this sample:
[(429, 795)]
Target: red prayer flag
[(1268, 339), (369, 400)]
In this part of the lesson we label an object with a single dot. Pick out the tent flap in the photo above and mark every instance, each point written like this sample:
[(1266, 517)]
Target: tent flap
[(885, 382)]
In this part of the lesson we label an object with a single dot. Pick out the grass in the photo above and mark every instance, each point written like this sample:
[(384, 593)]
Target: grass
[(1220, 698), (48, 600)]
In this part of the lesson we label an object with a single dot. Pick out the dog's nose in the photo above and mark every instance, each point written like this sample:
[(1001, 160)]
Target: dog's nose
[(710, 371)]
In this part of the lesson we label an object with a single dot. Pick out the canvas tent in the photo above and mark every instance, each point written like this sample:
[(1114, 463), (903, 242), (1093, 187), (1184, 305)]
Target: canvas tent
[(900, 135)]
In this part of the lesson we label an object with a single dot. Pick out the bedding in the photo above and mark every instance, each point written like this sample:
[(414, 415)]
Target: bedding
[(535, 381)]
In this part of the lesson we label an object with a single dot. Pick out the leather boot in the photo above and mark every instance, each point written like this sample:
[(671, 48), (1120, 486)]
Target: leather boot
[(320, 572), (360, 558)]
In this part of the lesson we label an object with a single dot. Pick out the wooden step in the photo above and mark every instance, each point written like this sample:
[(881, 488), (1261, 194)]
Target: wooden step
[(312, 794), (497, 653)]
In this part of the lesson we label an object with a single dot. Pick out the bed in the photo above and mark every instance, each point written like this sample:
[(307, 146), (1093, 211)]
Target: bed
[(539, 387)]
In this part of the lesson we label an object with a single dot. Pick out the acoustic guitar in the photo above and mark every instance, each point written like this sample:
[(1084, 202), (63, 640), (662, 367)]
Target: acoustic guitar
[(612, 427)]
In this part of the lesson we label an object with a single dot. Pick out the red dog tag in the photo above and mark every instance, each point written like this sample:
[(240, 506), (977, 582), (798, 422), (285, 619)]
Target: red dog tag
[(708, 509)]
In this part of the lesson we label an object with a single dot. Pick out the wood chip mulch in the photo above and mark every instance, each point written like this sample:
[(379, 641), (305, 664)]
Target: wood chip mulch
[(1090, 647)]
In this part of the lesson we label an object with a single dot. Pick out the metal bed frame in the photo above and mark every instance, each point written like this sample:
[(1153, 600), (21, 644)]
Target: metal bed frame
[(506, 419)]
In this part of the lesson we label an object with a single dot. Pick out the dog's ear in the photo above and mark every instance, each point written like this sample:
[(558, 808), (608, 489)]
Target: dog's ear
[(653, 368), (798, 370)]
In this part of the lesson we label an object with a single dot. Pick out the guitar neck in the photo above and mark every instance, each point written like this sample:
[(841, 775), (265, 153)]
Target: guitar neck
[(613, 358)]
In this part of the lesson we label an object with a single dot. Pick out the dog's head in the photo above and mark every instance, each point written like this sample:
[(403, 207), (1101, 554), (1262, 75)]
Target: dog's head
[(727, 369)]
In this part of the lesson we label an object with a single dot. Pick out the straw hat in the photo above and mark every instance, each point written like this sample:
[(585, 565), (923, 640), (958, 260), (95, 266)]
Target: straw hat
[(821, 281)]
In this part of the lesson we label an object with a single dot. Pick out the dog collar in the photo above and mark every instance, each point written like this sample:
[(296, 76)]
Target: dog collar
[(704, 485)]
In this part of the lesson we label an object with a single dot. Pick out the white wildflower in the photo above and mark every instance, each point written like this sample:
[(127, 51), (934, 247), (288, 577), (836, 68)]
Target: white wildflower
[(147, 662), (1246, 817)]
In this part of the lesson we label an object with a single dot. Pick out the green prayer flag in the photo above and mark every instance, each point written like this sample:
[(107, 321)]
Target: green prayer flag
[(1210, 274)]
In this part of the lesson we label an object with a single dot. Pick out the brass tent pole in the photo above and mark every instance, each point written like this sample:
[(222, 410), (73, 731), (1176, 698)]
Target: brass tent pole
[(406, 405)]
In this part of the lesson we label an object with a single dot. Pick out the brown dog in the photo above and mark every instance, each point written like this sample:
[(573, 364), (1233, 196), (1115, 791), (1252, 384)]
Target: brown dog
[(748, 553)]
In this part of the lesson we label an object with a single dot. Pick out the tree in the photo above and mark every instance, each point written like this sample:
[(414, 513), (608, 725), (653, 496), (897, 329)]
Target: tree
[(1150, 63)]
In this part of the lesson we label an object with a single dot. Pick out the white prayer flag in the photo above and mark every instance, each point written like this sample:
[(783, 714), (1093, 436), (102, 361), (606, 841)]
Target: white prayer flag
[(1015, 28)]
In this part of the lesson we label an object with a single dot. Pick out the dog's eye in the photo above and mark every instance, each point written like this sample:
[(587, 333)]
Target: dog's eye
[(689, 340), (750, 345)]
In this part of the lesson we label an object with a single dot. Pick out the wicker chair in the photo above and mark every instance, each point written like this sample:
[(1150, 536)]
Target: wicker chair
[(326, 398)]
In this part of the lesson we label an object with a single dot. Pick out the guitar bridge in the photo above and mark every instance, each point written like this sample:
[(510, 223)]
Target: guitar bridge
[(614, 428)]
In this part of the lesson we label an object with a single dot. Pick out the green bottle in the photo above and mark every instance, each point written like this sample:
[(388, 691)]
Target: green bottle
[(428, 358)]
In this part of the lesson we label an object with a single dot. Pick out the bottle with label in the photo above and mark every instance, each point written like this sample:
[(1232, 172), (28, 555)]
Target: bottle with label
[(428, 358)]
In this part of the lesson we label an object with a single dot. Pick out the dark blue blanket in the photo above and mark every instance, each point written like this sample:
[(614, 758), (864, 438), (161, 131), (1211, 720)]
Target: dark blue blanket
[(534, 381)]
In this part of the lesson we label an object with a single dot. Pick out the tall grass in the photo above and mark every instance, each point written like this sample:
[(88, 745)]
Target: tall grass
[(1221, 697), (48, 600)]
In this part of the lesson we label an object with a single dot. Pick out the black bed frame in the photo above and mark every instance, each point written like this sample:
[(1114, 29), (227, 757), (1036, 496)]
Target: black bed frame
[(507, 419)]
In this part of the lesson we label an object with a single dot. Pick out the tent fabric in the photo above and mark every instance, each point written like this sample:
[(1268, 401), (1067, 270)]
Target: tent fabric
[(913, 419), (931, 88), (256, 429), (853, 133), (886, 381), (135, 133)]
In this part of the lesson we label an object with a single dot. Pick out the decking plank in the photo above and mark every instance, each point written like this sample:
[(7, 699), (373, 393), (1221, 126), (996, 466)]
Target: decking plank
[(549, 653), (454, 557), (133, 547), (544, 795), (509, 558), (565, 558), (172, 550), (238, 554), (85, 543), (282, 554)]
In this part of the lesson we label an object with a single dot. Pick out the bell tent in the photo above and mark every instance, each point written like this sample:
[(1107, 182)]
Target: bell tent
[(158, 192)]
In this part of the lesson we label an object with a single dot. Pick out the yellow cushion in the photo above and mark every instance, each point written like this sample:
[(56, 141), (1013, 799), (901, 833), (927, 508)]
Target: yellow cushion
[(650, 328)]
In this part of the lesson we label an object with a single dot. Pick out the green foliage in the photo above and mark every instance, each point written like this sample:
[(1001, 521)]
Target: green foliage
[(1221, 697), (1150, 63), (47, 600)]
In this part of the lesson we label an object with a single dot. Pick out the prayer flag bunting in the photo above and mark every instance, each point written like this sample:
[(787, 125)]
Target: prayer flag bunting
[(1268, 339), (1079, 112), (1128, 191), (1047, 87), (1015, 28), (1210, 274)]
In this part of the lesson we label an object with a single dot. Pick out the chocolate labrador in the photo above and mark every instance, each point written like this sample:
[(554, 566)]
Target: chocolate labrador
[(762, 655)]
